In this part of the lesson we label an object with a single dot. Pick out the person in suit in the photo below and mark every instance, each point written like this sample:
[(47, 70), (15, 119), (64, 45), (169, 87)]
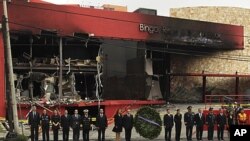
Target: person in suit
[(127, 122), (75, 124), (189, 123), (168, 121), (86, 123), (230, 121), (101, 124), (210, 121), (55, 119), (221, 122), (34, 121), (199, 120), (65, 124), (118, 124), (178, 124), (45, 120)]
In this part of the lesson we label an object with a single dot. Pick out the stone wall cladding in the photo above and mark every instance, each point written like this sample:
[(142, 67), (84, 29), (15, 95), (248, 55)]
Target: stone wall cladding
[(212, 63)]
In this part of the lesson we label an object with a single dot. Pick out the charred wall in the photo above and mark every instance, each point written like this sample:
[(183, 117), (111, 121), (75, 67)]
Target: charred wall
[(188, 89)]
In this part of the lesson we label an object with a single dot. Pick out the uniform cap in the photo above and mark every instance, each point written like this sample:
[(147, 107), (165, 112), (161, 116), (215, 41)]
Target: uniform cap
[(85, 110), (189, 107)]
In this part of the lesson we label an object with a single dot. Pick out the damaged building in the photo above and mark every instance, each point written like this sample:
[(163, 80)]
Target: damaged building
[(73, 57)]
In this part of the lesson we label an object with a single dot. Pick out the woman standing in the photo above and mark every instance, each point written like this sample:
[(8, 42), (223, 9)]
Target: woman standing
[(118, 124), (55, 124)]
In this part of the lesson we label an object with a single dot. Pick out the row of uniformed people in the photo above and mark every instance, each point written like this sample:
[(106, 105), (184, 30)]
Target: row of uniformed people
[(199, 120), (66, 121)]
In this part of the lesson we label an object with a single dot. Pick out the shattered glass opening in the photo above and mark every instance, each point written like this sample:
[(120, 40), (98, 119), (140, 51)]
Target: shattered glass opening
[(36, 63)]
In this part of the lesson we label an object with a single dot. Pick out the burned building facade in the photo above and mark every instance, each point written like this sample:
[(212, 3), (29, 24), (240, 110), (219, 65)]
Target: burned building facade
[(69, 55)]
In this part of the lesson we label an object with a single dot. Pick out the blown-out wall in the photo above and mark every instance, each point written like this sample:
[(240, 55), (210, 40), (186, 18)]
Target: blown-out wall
[(227, 62)]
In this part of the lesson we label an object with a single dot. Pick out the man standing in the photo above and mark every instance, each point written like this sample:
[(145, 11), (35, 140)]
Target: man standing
[(86, 122), (75, 124), (236, 112), (34, 121), (65, 124), (189, 122), (221, 122), (178, 123), (45, 119), (55, 119), (101, 124), (199, 120), (210, 121), (128, 125), (168, 124)]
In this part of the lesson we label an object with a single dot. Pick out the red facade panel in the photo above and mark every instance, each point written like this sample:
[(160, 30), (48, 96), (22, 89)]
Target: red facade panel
[(123, 25)]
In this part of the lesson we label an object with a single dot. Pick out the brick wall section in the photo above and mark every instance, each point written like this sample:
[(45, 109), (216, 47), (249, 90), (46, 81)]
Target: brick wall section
[(191, 86)]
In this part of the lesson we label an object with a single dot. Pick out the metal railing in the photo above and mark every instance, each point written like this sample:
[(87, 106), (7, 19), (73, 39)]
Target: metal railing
[(226, 99)]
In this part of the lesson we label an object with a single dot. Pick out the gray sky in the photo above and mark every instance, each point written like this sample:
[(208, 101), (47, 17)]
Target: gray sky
[(162, 6)]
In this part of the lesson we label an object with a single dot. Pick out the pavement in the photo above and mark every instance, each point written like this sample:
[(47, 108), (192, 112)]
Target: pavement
[(110, 135)]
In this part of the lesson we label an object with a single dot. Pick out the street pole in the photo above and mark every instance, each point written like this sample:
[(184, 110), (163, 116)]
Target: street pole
[(60, 71), (8, 61)]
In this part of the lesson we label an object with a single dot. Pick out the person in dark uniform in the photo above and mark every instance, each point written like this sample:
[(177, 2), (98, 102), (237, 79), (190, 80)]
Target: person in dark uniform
[(168, 121), (210, 121), (65, 124), (55, 119), (75, 124), (86, 122), (230, 121), (236, 112), (178, 123), (189, 123), (45, 119), (199, 120), (101, 124), (118, 124), (221, 122), (34, 121), (127, 122)]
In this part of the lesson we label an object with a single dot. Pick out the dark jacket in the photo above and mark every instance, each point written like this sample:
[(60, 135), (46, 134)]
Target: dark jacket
[(75, 121), (199, 121), (210, 119), (65, 121), (168, 120), (230, 119), (86, 122), (101, 122), (34, 120), (127, 121), (177, 119), (189, 118), (221, 119), (55, 119), (45, 119), (118, 123)]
